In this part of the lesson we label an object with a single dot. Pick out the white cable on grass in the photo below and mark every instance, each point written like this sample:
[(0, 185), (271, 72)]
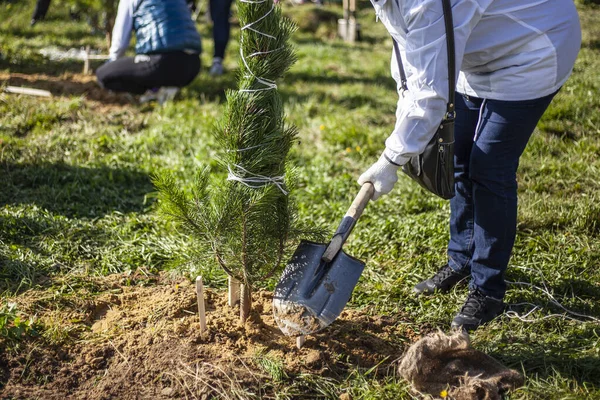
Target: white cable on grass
[(568, 313), (255, 180)]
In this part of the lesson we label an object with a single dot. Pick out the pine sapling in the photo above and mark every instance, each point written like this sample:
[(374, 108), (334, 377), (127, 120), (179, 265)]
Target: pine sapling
[(243, 215)]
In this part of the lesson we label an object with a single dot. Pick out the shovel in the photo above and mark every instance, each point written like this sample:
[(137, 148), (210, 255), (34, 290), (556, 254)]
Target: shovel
[(318, 281)]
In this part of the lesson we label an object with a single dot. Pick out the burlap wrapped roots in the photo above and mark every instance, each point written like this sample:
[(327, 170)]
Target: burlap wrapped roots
[(447, 364)]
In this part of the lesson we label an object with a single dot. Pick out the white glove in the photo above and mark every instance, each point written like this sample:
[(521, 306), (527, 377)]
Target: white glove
[(383, 175)]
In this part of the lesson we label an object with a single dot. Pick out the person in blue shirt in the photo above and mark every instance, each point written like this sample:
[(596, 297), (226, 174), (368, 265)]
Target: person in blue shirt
[(167, 48)]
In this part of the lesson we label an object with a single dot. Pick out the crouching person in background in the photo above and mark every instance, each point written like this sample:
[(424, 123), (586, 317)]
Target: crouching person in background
[(168, 48)]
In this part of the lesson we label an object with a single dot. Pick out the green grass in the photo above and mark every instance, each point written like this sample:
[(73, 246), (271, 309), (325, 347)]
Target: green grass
[(76, 196)]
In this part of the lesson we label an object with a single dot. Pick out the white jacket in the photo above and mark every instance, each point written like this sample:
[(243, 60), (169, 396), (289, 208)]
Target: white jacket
[(506, 50), (121, 34)]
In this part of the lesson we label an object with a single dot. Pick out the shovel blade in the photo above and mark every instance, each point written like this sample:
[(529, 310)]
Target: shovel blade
[(311, 293)]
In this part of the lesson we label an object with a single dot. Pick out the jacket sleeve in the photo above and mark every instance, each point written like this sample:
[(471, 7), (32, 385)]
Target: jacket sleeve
[(421, 109), (121, 33)]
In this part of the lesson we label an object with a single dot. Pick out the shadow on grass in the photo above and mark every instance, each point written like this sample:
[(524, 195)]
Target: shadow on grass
[(337, 43), (28, 252), (593, 44), (347, 101), (334, 79), (17, 276), (543, 358), (561, 134), (40, 65), (587, 293), (75, 191), (213, 88), (50, 25)]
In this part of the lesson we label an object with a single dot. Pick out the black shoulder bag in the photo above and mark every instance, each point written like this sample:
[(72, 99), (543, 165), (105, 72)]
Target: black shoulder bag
[(434, 168)]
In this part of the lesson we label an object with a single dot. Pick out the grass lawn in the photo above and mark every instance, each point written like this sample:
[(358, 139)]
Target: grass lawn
[(77, 203)]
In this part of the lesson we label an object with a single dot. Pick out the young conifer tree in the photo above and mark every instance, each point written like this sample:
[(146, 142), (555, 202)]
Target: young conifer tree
[(246, 219)]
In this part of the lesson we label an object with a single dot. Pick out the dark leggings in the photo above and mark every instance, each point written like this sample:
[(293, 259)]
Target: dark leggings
[(168, 69), (41, 8), (219, 12)]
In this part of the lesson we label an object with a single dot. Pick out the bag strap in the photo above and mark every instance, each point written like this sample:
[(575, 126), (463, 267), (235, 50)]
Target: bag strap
[(451, 60)]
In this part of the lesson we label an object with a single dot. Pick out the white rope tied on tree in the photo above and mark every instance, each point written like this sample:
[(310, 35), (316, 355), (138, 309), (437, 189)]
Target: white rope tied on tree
[(258, 53), (256, 181), (246, 149), (249, 25), (268, 84), (253, 180), (569, 314)]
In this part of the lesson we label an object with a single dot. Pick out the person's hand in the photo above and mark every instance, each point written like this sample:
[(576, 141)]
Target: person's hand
[(383, 175)]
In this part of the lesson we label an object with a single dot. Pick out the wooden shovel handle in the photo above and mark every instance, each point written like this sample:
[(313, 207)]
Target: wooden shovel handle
[(361, 200), (354, 212)]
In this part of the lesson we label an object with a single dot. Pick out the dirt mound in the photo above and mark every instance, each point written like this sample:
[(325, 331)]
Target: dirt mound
[(67, 85), (143, 340)]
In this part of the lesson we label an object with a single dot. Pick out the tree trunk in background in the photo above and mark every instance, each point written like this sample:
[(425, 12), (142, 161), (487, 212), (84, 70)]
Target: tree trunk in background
[(110, 9), (108, 34)]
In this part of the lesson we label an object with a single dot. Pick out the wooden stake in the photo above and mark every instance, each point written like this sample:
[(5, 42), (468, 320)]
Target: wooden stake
[(86, 61), (98, 57), (28, 91), (300, 341), (234, 291), (201, 310), (245, 302)]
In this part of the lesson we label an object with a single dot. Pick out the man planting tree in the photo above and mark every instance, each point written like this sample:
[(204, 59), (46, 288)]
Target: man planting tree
[(513, 57)]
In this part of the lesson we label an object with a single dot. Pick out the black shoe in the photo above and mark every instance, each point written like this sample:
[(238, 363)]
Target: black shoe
[(33, 22), (477, 310), (442, 281)]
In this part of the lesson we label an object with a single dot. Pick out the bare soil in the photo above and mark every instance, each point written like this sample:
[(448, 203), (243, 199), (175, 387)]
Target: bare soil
[(69, 84), (138, 337)]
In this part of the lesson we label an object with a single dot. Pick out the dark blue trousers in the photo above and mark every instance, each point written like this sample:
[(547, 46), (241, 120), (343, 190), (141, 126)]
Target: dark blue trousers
[(490, 137), (220, 11), (41, 9)]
